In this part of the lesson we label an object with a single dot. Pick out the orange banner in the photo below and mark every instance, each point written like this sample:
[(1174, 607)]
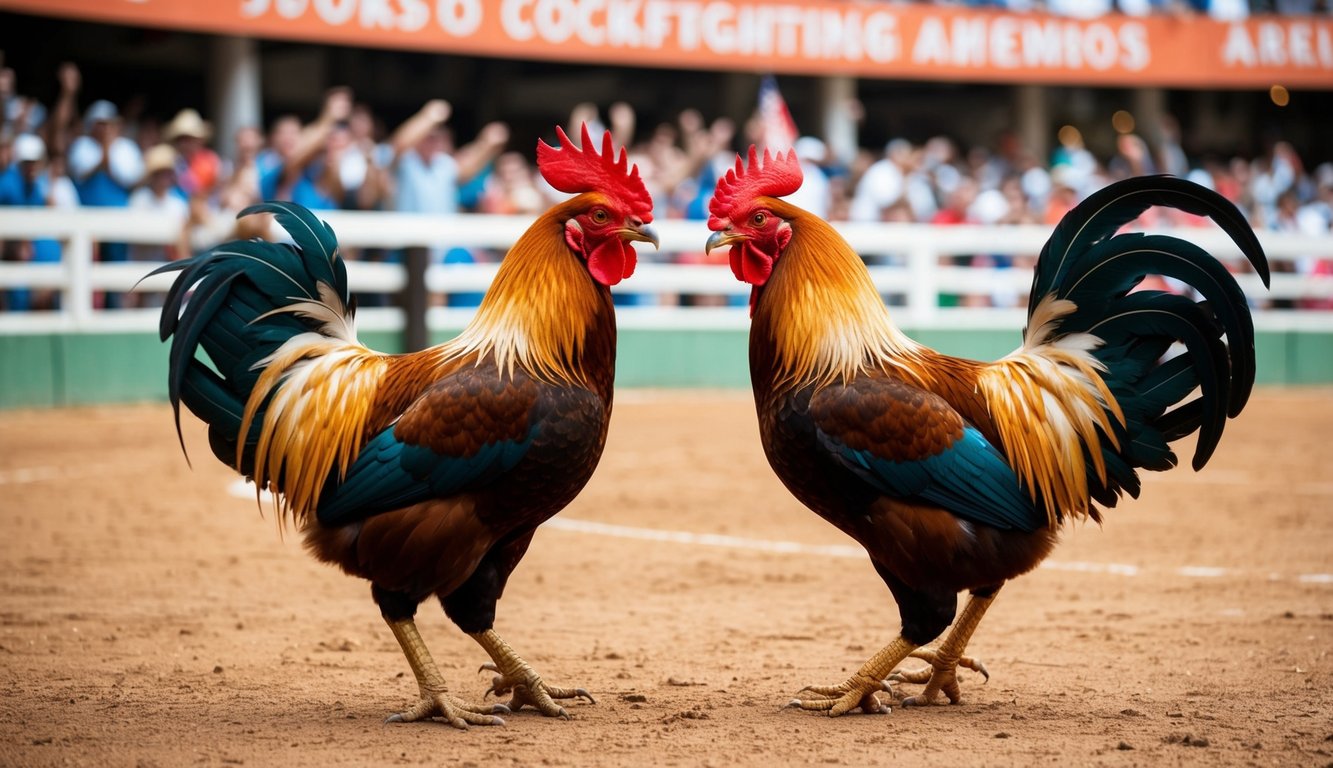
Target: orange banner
[(916, 42)]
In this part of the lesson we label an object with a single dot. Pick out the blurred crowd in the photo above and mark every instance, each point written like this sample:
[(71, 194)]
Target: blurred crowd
[(65, 156), (1220, 10)]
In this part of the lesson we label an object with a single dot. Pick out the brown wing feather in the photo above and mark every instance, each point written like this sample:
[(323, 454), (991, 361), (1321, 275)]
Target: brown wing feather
[(896, 420)]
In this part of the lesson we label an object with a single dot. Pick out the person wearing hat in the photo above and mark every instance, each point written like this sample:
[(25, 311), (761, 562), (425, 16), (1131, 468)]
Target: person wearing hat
[(814, 194), (32, 181), (197, 166), (105, 166), (160, 195)]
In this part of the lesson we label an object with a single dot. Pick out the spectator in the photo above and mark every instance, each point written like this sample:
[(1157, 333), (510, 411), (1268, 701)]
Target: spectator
[(429, 172), (21, 113), (814, 194), (105, 166), (283, 137), (512, 188), (31, 181), (198, 168), (882, 185), (364, 166), (160, 194)]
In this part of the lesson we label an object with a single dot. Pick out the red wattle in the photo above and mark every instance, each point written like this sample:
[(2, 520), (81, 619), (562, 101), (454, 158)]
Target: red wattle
[(749, 264), (612, 261)]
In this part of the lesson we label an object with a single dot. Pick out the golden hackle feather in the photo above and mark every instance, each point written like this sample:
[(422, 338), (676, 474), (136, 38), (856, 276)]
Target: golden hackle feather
[(1049, 403), (330, 394), (323, 391), (536, 315), (831, 324)]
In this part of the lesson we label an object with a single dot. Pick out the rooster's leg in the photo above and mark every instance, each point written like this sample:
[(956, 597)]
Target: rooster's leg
[(515, 676), (947, 657), (858, 691), (435, 700)]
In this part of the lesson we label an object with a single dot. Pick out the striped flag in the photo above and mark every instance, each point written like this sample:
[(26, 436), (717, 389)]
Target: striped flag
[(777, 131)]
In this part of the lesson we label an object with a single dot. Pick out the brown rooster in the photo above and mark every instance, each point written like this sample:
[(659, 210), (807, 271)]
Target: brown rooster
[(955, 474), (425, 473)]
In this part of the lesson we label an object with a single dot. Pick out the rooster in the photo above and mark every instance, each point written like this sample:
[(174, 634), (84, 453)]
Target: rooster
[(424, 473), (956, 475)]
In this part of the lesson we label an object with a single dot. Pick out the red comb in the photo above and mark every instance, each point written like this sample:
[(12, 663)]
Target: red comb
[(775, 177), (573, 169)]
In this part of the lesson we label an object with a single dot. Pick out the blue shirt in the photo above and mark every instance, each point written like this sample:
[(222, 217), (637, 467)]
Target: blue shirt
[(14, 190)]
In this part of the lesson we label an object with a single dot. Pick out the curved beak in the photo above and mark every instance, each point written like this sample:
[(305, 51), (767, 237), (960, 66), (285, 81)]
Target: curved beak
[(722, 238), (643, 233)]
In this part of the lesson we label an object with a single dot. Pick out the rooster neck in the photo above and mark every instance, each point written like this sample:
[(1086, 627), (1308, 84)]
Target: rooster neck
[(819, 318), (543, 313)]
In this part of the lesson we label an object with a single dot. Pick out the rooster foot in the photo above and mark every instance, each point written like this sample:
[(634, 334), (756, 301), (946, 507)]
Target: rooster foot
[(857, 693), (526, 688), (458, 713), (940, 677)]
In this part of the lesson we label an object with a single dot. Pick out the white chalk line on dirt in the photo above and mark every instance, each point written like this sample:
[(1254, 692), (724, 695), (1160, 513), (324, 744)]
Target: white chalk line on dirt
[(28, 475), (245, 490), (837, 550)]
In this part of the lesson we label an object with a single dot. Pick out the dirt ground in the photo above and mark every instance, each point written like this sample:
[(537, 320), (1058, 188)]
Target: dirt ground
[(150, 617)]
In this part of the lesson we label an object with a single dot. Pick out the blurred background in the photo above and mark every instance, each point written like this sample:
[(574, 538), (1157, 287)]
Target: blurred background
[(944, 139)]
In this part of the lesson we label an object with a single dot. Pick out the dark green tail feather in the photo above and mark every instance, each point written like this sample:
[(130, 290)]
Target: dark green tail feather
[(216, 303), (1086, 262)]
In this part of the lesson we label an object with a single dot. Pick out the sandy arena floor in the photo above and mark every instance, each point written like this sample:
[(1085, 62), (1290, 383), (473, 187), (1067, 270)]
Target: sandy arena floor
[(152, 618)]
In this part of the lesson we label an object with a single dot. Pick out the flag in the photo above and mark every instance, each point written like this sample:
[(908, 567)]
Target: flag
[(777, 131)]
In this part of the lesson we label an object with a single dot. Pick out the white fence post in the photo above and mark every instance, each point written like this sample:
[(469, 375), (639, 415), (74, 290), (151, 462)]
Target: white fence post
[(923, 293), (77, 301)]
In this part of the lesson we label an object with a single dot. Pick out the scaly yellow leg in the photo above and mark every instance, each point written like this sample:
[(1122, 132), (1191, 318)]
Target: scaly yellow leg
[(516, 676), (435, 701), (946, 658), (858, 691)]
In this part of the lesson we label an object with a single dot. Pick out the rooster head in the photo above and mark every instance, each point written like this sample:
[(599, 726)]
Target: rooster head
[(613, 209), (741, 213)]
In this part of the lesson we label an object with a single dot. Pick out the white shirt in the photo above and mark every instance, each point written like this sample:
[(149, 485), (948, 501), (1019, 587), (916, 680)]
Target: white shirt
[(126, 165)]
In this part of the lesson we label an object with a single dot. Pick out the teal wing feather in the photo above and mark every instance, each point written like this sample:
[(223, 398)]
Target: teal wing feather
[(908, 444)]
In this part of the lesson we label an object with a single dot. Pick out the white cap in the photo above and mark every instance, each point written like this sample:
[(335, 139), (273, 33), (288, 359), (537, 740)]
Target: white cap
[(810, 148), (101, 111), (29, 148)]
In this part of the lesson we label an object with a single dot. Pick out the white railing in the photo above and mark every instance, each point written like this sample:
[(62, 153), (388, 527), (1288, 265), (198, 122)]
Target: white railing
[(918, 276)]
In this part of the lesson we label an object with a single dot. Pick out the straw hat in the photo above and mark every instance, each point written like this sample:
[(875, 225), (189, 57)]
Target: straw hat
[(187, 122), (161, 157)]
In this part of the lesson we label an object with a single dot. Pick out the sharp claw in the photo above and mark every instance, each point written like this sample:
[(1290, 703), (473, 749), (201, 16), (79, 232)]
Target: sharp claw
[(794, 703), (583, 694), (562, 714), (487, 667), (501, 709), (394, 718)]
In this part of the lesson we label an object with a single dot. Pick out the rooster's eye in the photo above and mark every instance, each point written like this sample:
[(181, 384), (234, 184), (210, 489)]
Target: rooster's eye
[(758, 219), (600, 216)]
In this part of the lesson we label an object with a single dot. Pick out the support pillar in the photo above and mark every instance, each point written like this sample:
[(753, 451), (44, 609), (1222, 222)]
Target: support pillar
[(1032, 121), (839, 114), (235, 93)]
